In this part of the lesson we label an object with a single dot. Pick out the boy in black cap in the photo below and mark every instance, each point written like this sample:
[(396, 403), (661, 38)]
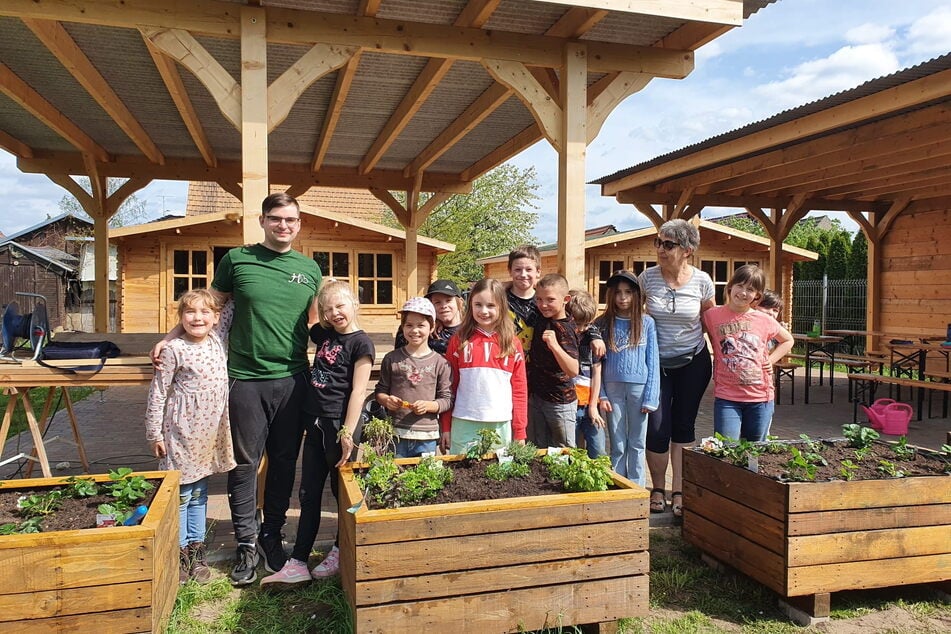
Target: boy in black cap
[(447, 299)]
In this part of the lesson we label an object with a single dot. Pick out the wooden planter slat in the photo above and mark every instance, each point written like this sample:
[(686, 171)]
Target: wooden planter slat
[(545, 606), (840, 535), (475, 581), (495, 565), (116, 579), (869, 519)]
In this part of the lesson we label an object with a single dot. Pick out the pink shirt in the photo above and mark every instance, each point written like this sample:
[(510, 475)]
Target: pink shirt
[(741, 370)]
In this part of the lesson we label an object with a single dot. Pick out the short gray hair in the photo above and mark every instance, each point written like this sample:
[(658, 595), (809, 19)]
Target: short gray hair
[(681, 232)]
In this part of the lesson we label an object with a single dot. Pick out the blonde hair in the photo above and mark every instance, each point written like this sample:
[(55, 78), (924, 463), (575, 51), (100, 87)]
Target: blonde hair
[(192, 298), (503, 325), (582, 307), (331, 289)]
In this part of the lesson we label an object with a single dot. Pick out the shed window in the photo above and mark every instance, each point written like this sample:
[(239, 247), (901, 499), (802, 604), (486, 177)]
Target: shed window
[(374, 279), (190, 270), (720, 271), (607, 268)]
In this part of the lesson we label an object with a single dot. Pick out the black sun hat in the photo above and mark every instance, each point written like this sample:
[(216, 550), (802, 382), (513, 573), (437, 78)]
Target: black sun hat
[(623, 276), (446, 287)]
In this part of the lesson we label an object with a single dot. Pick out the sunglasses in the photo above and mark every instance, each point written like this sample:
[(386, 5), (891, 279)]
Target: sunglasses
[(669, 245)]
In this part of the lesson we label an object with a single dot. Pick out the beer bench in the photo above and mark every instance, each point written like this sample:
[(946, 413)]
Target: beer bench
[(866, 385), (131, 367)]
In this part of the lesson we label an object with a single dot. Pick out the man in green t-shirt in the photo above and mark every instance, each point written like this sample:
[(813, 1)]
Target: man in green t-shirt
[(274, 289)]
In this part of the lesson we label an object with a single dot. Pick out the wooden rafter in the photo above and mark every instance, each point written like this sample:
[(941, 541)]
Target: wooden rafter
[(66, 181), (524, 139), (55, 38), (116, 198), (388, 199), (648, 195), (520, 81), (620, 87), (284, 91), (34, 103), (574, 23), (176, 90), (332, 118), (474, 14), (15, 146), (713, 11)]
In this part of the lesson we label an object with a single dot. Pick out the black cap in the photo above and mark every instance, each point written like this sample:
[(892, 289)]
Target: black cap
[(446, 287), (625, 276)]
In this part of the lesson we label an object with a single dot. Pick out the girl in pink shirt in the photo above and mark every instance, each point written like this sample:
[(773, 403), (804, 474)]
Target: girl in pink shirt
[(742, 361)]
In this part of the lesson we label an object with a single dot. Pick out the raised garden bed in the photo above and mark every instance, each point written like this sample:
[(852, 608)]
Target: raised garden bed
[(805, 540), (501, 565), (114, 579)]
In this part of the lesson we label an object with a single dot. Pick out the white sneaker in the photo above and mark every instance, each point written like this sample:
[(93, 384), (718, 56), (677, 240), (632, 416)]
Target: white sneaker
[(294, 571), (328, 567)]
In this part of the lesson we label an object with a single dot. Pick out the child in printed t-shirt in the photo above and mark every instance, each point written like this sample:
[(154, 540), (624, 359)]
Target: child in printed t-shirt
[(488, 373), (525, 264), (339, 379), (631, 373), (415, 382), (742, 363), (553, 404), (187, 418), (591, 427)]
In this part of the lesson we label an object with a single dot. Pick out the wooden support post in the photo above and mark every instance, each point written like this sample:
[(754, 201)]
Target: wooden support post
[(571, 164), (254, 122)]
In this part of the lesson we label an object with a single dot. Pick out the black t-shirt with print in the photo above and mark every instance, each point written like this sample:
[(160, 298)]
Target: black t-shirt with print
[(524, 313), (331, 375)]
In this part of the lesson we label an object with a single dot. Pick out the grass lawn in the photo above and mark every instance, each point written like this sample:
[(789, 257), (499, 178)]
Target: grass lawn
[(686, 597), (37, 399)]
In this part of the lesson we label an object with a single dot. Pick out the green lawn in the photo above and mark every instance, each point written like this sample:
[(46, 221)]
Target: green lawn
[(37, 399)]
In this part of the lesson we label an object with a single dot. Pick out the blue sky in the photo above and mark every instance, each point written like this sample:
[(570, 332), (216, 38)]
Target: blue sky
[(790, 53)]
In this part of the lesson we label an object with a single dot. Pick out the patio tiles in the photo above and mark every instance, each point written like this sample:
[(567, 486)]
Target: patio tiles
[(111, 423)]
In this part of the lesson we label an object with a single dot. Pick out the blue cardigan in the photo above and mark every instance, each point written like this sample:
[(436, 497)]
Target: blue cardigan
[(638, 363)]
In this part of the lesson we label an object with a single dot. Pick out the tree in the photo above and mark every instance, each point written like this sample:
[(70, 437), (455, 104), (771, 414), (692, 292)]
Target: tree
[(858, 257), (837, 256), (495, 218), (132, 211)]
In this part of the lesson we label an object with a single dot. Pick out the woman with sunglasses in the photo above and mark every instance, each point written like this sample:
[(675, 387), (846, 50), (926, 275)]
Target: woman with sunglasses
[(677, 293)]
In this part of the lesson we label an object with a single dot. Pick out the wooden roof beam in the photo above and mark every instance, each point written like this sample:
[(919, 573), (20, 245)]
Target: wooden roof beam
[(55, 38), (284, 91), (34, 103), (518, 80), (574, 23), (475, 14), (186, 110), (649, 196), (15, 146), (608, 97), (524, 139), (917, 92), (884, 185), (729, 12)]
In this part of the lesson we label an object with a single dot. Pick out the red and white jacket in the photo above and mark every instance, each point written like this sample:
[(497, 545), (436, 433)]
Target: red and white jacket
[(488, 388)]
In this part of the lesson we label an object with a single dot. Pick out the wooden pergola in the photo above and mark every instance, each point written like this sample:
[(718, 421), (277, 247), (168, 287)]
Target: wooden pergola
[(877, 151), (387, 95)]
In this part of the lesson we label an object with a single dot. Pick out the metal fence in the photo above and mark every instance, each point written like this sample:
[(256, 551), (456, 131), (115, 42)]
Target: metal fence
[(828, 304)]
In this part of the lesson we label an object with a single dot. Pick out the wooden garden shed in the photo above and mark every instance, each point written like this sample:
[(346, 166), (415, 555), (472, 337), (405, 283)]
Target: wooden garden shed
[(383, 95), (42, 270), (161, 260), (880, 152), (722, 250)]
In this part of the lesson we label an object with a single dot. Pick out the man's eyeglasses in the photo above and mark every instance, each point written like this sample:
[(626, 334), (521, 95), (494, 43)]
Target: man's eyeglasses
[(276, 220), (669, 245), (670, 302)]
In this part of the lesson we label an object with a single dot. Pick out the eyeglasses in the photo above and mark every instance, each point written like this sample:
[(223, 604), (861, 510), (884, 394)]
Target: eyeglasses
[(669, 245), (276, 220), (670, 302)]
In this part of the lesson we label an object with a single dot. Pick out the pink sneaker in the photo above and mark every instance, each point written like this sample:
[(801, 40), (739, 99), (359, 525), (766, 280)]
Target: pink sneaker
[(328, 567), (294, 571)]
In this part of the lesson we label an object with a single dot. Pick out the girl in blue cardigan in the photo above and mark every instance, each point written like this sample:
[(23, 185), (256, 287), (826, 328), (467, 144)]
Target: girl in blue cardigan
[(630, 388)]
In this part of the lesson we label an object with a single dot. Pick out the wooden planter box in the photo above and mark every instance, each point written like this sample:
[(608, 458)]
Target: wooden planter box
[(496, 565), (805, 540), (116, 579)]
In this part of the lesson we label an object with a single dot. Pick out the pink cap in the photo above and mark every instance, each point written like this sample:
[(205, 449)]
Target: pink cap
[(420, 305)]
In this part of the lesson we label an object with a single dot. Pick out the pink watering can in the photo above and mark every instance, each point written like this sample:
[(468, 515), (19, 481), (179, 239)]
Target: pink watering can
[(888, 416)]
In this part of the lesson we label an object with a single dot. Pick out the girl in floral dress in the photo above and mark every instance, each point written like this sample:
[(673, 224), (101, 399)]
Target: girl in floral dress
[(187, 418)]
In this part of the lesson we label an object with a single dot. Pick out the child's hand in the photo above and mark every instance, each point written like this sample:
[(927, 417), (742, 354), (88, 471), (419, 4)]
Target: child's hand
[(424, 407), (158, 448), (393, 403), (155, 354), (595, 415), (604, 405), (598, 349), (444, 442), (346, 448), (550, 339)]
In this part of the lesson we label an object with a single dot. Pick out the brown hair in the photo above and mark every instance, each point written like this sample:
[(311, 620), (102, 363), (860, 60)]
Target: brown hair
[(771, 300), (555, 281), (278, 199), (529, 251), (606, 321), (504, 326), (582, 307), (749, 274), (198, 296)]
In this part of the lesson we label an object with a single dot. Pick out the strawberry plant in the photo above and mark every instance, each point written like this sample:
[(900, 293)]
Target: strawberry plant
[(580, 472)]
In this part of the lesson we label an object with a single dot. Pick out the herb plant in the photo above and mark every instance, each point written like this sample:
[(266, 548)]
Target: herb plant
[(488, 439), (799, 467), (378, 433), (580, 472), (848, 469), (40, 504), (424, 481)]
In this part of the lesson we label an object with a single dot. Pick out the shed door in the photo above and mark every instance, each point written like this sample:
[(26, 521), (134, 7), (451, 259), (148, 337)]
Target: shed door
[(189, 268)]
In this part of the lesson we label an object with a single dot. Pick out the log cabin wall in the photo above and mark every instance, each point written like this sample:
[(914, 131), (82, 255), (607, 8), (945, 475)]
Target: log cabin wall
[(157, 266), (916, 275)]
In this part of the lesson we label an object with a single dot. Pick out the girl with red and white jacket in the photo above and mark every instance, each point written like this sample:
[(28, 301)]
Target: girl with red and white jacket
[(488, 373)]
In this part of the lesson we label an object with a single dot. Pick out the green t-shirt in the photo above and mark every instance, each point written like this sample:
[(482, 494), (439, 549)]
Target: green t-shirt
[(272, 294)]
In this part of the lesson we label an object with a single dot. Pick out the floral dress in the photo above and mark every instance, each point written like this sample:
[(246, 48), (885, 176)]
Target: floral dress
[(188, 405)]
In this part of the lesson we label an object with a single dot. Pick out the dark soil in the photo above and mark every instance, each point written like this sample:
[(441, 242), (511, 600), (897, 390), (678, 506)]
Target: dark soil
[(834, 452), (72, 513), (469, 484)]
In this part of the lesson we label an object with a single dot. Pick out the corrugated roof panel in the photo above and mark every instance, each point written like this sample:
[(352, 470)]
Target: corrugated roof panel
[(294, 140), (510, 119), (631, 28), (425, 11), (518, 16), (24, 127)]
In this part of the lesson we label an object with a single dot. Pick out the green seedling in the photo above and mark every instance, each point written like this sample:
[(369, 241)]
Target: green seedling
[(888, 468), (502, 471), (423, 482), (127, 488), (800, 468), (488, 439), (848, 469), (81, 487), (580, 472), (40, 504), (859, 436), (904, 451)]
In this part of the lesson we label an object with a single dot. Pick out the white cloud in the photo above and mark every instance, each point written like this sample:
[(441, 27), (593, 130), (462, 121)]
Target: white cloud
[(845, 68), (869, 33), (930, 35)]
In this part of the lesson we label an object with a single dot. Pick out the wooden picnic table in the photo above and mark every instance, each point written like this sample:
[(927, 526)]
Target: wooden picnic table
[(819, 350)]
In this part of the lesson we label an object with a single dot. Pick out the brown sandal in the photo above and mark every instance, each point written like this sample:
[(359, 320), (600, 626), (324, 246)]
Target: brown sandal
[(658, 506), (675, 507)]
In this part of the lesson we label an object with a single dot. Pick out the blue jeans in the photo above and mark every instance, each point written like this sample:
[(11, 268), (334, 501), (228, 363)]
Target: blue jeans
[(627, 425), (413, 448), (192, 511), (593, 435), (737, 420)]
